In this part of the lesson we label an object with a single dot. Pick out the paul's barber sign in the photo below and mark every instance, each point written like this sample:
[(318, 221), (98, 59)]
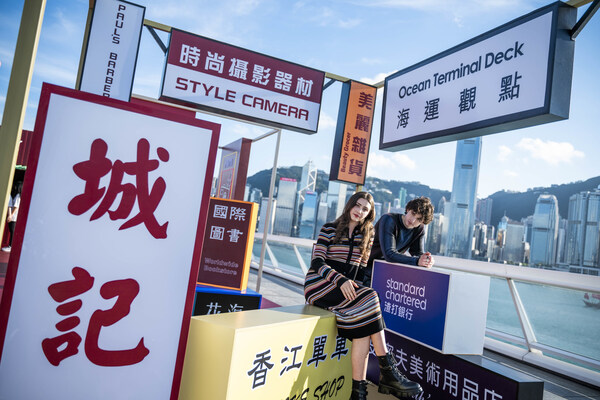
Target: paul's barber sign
[(233, 81), (100, 285), (514, 76)]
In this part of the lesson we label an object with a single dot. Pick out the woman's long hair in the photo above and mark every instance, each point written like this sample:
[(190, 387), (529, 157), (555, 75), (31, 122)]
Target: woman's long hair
[(16, 189), (365, 227)]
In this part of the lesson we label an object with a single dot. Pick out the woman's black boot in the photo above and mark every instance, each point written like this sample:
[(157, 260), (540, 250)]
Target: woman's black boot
[(391, 381), (359, 390)]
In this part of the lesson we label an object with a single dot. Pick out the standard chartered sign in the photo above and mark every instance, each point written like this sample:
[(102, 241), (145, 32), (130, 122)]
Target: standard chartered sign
[(514, 76)]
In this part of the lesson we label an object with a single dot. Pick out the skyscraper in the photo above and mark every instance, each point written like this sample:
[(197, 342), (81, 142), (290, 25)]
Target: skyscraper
[(321, 214), (263, 218), (513, 242), (336, 199), (286, 206), (479, 240), (402, 198), (460, 211), (583, 232), (308, 182), (309, 215), (308, 179), (483, 212), (434, 234), (441, 206), (545, 231)]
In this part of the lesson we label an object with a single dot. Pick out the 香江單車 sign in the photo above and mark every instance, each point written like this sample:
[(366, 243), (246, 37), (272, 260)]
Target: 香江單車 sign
[(233, 81), (100, 284)]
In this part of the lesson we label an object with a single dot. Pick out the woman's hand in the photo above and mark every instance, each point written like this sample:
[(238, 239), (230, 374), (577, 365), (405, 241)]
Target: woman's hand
[(426, 260), (348, 289)]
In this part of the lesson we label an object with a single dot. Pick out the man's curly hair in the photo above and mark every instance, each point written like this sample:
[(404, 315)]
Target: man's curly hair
[(423, 206)]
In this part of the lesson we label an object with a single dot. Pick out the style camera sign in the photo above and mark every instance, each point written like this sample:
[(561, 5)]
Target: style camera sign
[(514, 76), (233, 81), (100, 284)]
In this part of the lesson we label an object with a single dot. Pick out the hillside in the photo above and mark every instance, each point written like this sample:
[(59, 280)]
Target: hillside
[(378, 187), (517, 205)]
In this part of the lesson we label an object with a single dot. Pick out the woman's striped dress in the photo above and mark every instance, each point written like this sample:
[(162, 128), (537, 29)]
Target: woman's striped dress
[(331, 266)]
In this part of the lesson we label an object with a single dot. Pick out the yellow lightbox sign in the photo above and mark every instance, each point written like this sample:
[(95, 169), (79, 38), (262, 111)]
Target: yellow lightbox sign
[(287, 353)]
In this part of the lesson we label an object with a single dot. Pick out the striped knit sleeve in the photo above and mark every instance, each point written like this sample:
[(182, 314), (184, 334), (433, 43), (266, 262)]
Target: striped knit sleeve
[(365, 259), (319, 257)]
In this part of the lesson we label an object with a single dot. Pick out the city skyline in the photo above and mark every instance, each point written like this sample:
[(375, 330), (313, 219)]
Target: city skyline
[(318, 34), (541, 239)]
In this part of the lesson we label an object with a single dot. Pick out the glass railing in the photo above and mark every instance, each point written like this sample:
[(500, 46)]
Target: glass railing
[(534, 315)]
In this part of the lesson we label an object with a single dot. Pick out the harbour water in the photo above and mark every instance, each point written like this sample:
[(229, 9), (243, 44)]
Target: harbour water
[(559, 317)]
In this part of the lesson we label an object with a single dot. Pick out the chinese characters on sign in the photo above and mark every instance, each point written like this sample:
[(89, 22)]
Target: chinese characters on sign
[(218, 76), (352, 139), (262, 364), (508, 90), (212, 300), (125, 290), (498, 81), (148, 198), (446, 376), (111, 237), (227, 244)]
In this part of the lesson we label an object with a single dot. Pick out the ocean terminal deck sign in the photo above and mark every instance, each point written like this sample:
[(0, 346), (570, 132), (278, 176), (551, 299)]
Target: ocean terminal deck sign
[(514, 76), (233, 81)]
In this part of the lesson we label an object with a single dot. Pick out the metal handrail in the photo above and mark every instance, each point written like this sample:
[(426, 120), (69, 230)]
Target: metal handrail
[(525, 348)]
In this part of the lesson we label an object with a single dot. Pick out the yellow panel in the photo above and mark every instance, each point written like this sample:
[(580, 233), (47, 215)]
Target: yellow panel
[(282, 353)]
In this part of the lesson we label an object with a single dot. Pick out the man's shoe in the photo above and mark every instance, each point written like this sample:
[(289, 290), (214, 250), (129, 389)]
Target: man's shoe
[(7, 249)]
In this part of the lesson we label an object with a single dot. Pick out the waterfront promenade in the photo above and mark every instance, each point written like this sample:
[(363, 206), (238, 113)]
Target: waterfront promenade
[(285, 293), (277, 291)]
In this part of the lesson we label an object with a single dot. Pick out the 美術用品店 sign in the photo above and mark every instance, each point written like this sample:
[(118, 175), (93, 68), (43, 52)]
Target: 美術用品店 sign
[(514, 76), (229, 80)]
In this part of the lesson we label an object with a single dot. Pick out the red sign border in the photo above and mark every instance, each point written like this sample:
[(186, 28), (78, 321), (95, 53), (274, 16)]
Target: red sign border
[(150, 109)]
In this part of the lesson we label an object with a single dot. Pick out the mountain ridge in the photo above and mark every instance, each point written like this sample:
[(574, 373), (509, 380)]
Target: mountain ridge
[(516, 205)]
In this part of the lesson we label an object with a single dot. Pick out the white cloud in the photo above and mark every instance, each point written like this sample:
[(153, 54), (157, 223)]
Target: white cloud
[(371, 61), (503, 152), (326, 121), (509, 173), (553, 153), (349, 23), (377, 78), (392, 166)]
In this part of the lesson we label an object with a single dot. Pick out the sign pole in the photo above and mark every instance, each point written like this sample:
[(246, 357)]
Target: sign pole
[(17, 95), (268, 215)]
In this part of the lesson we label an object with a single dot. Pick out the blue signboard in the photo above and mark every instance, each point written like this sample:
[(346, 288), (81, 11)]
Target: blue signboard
[(413, 301)]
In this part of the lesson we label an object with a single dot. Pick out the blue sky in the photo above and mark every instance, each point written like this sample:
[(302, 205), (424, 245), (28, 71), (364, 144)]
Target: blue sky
[(360, 39)]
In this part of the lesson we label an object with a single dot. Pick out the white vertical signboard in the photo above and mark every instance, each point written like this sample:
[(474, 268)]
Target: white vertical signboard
[(514, 76), (112, 49), (100, 284)]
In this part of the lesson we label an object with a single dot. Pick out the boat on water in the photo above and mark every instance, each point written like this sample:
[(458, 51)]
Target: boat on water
[(592, 300)]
